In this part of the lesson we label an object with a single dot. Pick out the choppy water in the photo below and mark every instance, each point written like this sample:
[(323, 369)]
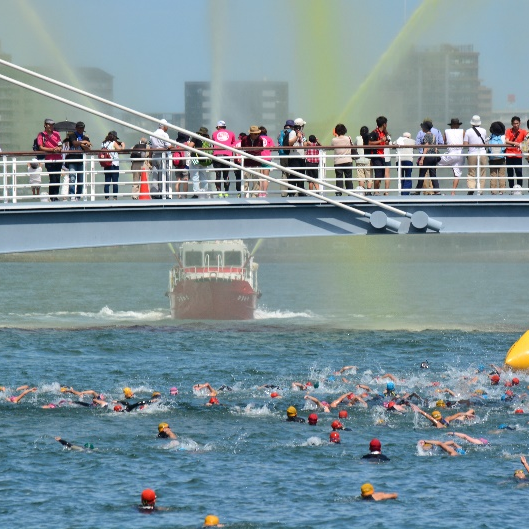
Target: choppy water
[(104, 326)]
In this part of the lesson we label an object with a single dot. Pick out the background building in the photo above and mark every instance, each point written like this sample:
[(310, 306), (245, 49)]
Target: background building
[(439, 83), (240, 104)]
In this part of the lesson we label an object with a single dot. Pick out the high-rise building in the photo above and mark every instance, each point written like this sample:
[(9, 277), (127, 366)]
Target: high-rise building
[(238, 103), (440, 83)]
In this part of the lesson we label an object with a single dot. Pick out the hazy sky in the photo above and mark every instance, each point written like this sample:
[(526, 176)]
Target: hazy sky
[(324, 48)]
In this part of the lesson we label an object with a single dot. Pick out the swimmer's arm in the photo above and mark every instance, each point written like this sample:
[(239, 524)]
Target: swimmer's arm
[(314, 399), (390, 376), (449, 391), (360, 400), (345, 368), (473, 380), (364, 386), (63, 442), (169, 432), (298, 385), (88, 392), (496, 368), (524, 463), (20, 388), (416, 408), (337, 401), (23, 394), (2, 388), (377, 496)]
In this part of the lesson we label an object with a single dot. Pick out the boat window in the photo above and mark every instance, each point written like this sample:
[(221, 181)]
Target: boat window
[(213, 258), (193, 259), (232, 258)]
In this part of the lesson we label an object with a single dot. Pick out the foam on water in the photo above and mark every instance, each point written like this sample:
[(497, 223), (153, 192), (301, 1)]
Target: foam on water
[(262, 313)]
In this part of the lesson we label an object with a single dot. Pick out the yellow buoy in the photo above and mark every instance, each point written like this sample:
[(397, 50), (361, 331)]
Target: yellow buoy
[(518, 355)]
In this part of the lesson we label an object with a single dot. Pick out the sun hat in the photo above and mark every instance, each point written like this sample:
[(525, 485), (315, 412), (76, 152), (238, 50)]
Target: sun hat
[(455, 121), (289, 123), (475, 121), (299, 122), (254, 129)]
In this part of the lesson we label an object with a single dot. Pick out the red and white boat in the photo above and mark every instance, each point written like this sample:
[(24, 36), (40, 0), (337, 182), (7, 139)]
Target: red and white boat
[(213, 280)]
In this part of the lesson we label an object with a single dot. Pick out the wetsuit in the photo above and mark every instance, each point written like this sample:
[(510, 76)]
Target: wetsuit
[(376, 456), (295, 419)]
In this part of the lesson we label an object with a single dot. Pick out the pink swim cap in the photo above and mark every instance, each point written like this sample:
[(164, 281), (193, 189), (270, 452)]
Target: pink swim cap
[(173, 391), (484, 441), (50, 405), (13, 399)]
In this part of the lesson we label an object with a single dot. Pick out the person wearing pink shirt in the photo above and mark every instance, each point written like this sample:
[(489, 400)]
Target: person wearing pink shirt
[(226, 137), (50, 142), (268, 143)]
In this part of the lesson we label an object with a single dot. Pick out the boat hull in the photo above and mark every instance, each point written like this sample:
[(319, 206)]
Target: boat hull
[(205, 299)]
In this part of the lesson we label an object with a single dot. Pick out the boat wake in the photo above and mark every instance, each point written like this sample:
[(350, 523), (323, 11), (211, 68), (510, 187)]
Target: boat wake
[(264, 314), (106, 315)]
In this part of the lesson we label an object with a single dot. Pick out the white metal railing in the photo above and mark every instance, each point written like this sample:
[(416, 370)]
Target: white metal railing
[(243, 182)]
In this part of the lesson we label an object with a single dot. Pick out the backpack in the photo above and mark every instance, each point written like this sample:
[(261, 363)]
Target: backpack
[(207, 148), (37, 148), (283, 141), (138, 150), (105, 160), (496, 152), (179, 159)]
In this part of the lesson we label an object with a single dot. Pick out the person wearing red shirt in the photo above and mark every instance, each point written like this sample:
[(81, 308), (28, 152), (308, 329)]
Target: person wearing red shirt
[(513, 137)]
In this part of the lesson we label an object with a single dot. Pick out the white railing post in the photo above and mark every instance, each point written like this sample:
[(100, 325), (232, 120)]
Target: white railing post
[(14, 180), (478, 174), (399, 173), (92, 179), (4, 177)]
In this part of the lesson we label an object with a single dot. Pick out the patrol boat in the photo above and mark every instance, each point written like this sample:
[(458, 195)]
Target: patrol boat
[(213, 280)]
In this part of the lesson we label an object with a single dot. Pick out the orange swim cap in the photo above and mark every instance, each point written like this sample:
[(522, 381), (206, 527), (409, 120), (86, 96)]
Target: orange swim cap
[(148, 496), (211, 520)]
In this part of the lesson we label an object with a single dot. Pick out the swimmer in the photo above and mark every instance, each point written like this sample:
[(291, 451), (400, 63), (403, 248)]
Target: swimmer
[(212, 521), (526, 466), (313, 419), (390, 390), (342, 414), (450, 447), (350, 399), (337, 425), (15, 399), (334, 437), (494, 379), (425, 365), (275, 395), (269, 386), (211, 392), (375, 452), (368, 493), (436, 418), (71, 446), (300, 386), (224, 387), (173, 391), (96, 402), (473, 440), (292, 415), (345, 368), (148, 502), (165, 432), (392, 406), (80, 393), (320, 403), (128, 393), (213, 401)]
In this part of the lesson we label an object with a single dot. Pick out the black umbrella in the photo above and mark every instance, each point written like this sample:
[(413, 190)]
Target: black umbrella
[(65, 126)]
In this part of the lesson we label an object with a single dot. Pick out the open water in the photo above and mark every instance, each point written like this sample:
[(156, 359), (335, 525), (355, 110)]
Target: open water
[(106, 325)]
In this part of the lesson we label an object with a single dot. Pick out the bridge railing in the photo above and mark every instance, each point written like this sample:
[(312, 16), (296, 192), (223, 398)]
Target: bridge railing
[(139, 179)]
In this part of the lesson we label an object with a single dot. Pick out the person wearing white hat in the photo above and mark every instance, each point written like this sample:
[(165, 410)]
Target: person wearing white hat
[(226, 137), (158, 143), (475, 139)]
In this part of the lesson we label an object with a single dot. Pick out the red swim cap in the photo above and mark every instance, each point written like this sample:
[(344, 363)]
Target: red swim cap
[(342, 414), (214, 400), (313, 418), (118, 408), (336, 425), (274, 395), (334, 437), (351, 396), (519, 410), (515, 381), (148, 496), (495, 378), (391, 404), (374, 445)]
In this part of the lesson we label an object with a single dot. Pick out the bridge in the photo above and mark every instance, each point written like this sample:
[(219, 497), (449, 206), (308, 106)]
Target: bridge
[(52, 226)]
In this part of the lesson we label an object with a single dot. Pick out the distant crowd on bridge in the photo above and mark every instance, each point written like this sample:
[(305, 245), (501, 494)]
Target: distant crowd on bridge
[(361, 163)]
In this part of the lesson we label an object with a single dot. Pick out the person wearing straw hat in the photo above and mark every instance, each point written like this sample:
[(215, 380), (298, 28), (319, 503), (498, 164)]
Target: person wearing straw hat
[(158, 142), (252, 144)]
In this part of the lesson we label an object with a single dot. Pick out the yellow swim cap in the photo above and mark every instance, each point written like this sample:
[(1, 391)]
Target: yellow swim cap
[(128, 392), (441, 403), (64, 389), (156, 394), (211, 520), (291, 411), (162, 425), (436, 415), (427, 446), (367, 489)]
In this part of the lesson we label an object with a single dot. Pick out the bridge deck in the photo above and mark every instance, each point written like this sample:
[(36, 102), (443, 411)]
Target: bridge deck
[(47, 226)]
